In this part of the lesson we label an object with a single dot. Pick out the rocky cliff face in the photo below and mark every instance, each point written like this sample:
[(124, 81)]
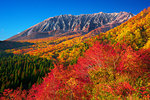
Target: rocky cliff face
[(84, 23)]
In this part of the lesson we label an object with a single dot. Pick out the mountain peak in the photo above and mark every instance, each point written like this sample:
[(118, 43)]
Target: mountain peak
[(100, 13), (77, 23)]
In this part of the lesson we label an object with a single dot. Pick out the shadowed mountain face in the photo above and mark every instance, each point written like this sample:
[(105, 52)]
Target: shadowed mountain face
[(58, 25), (12, 44)]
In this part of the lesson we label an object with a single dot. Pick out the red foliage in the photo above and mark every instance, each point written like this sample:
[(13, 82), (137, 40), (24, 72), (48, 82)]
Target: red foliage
[(123, 89), (47, 89), (144, 55), (72, 82), (14, 95), (134, 62)]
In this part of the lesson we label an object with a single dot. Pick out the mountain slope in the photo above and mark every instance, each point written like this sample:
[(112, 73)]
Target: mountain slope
[(110, 68), (134, 32), (84, 23)]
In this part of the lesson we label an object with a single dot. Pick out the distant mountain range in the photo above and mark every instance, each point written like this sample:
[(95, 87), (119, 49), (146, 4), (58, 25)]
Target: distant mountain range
[(71, 24)]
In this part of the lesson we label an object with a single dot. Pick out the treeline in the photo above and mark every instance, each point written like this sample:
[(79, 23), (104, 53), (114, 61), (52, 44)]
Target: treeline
[(22, 70)]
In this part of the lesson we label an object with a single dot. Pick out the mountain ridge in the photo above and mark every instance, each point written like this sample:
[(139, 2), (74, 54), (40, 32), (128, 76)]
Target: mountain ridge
[(72, 23)]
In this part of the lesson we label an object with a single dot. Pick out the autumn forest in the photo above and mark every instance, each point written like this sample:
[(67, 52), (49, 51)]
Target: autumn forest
[(112, 65)]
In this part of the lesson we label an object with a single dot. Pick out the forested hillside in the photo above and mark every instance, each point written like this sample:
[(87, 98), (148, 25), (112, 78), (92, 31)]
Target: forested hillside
[(134, 32), (109, 66), (22, 70)]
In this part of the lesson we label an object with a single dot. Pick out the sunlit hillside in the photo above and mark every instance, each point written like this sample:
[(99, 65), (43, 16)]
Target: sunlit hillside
[(114, 65)]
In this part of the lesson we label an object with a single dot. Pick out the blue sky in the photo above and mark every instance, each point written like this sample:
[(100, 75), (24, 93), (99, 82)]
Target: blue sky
[(18, 15)]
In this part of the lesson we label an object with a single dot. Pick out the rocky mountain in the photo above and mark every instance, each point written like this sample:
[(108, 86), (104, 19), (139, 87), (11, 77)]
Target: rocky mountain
[(71, 24)]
